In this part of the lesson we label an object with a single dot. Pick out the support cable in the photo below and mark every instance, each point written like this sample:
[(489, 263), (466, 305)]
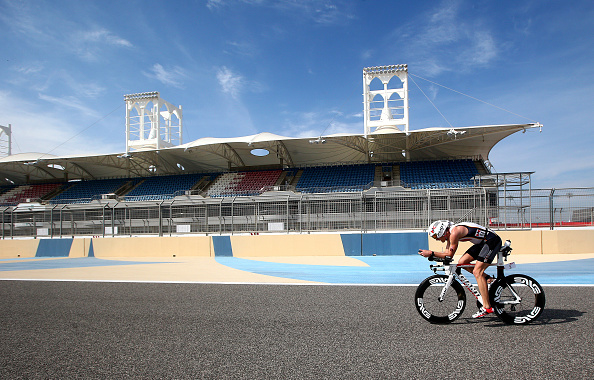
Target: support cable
[(92, 124), (471, 97), (433, 104)]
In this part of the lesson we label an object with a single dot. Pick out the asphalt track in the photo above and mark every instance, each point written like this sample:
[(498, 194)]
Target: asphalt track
[(100, 330), (272, 318)]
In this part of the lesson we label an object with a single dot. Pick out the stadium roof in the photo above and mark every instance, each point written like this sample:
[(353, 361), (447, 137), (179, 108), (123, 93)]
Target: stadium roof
[(213, 155)]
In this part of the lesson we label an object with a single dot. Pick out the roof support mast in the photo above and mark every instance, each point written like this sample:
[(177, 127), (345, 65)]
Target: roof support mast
[(150, 122), (5, 140), (386, 107)]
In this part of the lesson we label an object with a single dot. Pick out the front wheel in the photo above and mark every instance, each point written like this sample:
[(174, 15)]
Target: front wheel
[(518, 299), (431, 308)]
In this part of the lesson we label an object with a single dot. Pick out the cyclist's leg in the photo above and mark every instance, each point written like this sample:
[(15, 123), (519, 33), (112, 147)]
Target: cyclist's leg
[(487, 253), (468, 257), (481, 280)]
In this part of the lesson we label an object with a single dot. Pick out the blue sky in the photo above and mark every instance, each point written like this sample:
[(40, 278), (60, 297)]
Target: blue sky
[(294, 68)]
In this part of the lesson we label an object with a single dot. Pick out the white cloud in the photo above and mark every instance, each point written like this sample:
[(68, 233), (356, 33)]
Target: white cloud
[(18, 17), (215, 4), (325, 12), (367, 54), (70, 102), (172, 76), (44, 25), (30, 68), (483, 49), (231, 83), (104, 36), (443, 41), (245, 49), (313, 124), (49, 131), (90, 45)]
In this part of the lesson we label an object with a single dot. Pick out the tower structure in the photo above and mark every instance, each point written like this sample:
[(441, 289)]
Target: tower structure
[(151, 122), (5, 140), (387, 104)]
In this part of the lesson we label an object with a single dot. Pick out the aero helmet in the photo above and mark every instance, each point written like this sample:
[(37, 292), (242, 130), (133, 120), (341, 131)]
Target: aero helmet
[(438, 228)]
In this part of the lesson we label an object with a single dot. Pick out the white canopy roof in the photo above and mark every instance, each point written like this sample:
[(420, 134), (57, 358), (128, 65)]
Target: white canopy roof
[(213, 155)]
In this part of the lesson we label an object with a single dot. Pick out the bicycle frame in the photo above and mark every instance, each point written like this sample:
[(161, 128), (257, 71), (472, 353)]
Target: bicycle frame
[(453, 271)]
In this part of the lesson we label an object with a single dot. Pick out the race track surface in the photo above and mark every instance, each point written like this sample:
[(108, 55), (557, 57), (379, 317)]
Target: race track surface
[(100, 330), (272, 318)]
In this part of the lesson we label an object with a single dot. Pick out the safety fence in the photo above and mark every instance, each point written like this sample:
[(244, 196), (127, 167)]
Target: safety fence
[(374, 210)]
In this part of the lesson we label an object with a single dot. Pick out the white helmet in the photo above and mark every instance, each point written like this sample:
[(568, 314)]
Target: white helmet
[(438, 228)]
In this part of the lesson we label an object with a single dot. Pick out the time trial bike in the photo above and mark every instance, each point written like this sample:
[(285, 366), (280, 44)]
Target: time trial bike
[(516, 299)]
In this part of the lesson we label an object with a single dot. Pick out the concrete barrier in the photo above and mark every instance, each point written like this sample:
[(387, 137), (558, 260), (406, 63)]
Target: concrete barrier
[(540, 241), (197, 246), (287, 245), (569, 241), (265, 245), (10, 249)]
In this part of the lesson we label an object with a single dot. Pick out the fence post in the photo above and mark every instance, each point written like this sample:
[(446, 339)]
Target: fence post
[(484, 203), (160, 218), (530, 198), (428, 221), (103, 220), (233, 215), (113, 220), (61, 219), (551, 211), (288, 213)]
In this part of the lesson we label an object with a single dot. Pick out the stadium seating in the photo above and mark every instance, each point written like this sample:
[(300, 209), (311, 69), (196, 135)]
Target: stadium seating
[(85, 191), (336, 178), (243, 183), (23, 193), (437, 174), (323, 179), (163, 187), (4, 189)]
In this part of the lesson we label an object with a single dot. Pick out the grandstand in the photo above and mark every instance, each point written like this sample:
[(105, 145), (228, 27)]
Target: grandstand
[(438, 174), (388, 177), (442, 174), (162, 187), (340, 178)]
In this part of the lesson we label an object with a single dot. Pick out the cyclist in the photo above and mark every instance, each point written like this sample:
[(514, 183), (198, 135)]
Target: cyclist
[(486, 244)]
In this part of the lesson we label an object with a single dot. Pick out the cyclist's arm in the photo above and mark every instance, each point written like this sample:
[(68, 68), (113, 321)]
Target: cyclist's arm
[(428, 253), (450, 250), (451, 245), (453, 241)]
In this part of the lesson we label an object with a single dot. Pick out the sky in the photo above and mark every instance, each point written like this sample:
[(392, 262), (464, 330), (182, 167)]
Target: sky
[(294, 68)]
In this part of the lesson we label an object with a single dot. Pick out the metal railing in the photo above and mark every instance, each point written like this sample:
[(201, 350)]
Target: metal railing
[(377, 209)]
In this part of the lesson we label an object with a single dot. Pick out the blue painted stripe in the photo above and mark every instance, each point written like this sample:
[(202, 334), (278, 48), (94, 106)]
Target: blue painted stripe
[(222, 246), (78, 262), (351, 243), (384, 244), (91, 252), (379, 270), (54, 247), (402, 269)]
